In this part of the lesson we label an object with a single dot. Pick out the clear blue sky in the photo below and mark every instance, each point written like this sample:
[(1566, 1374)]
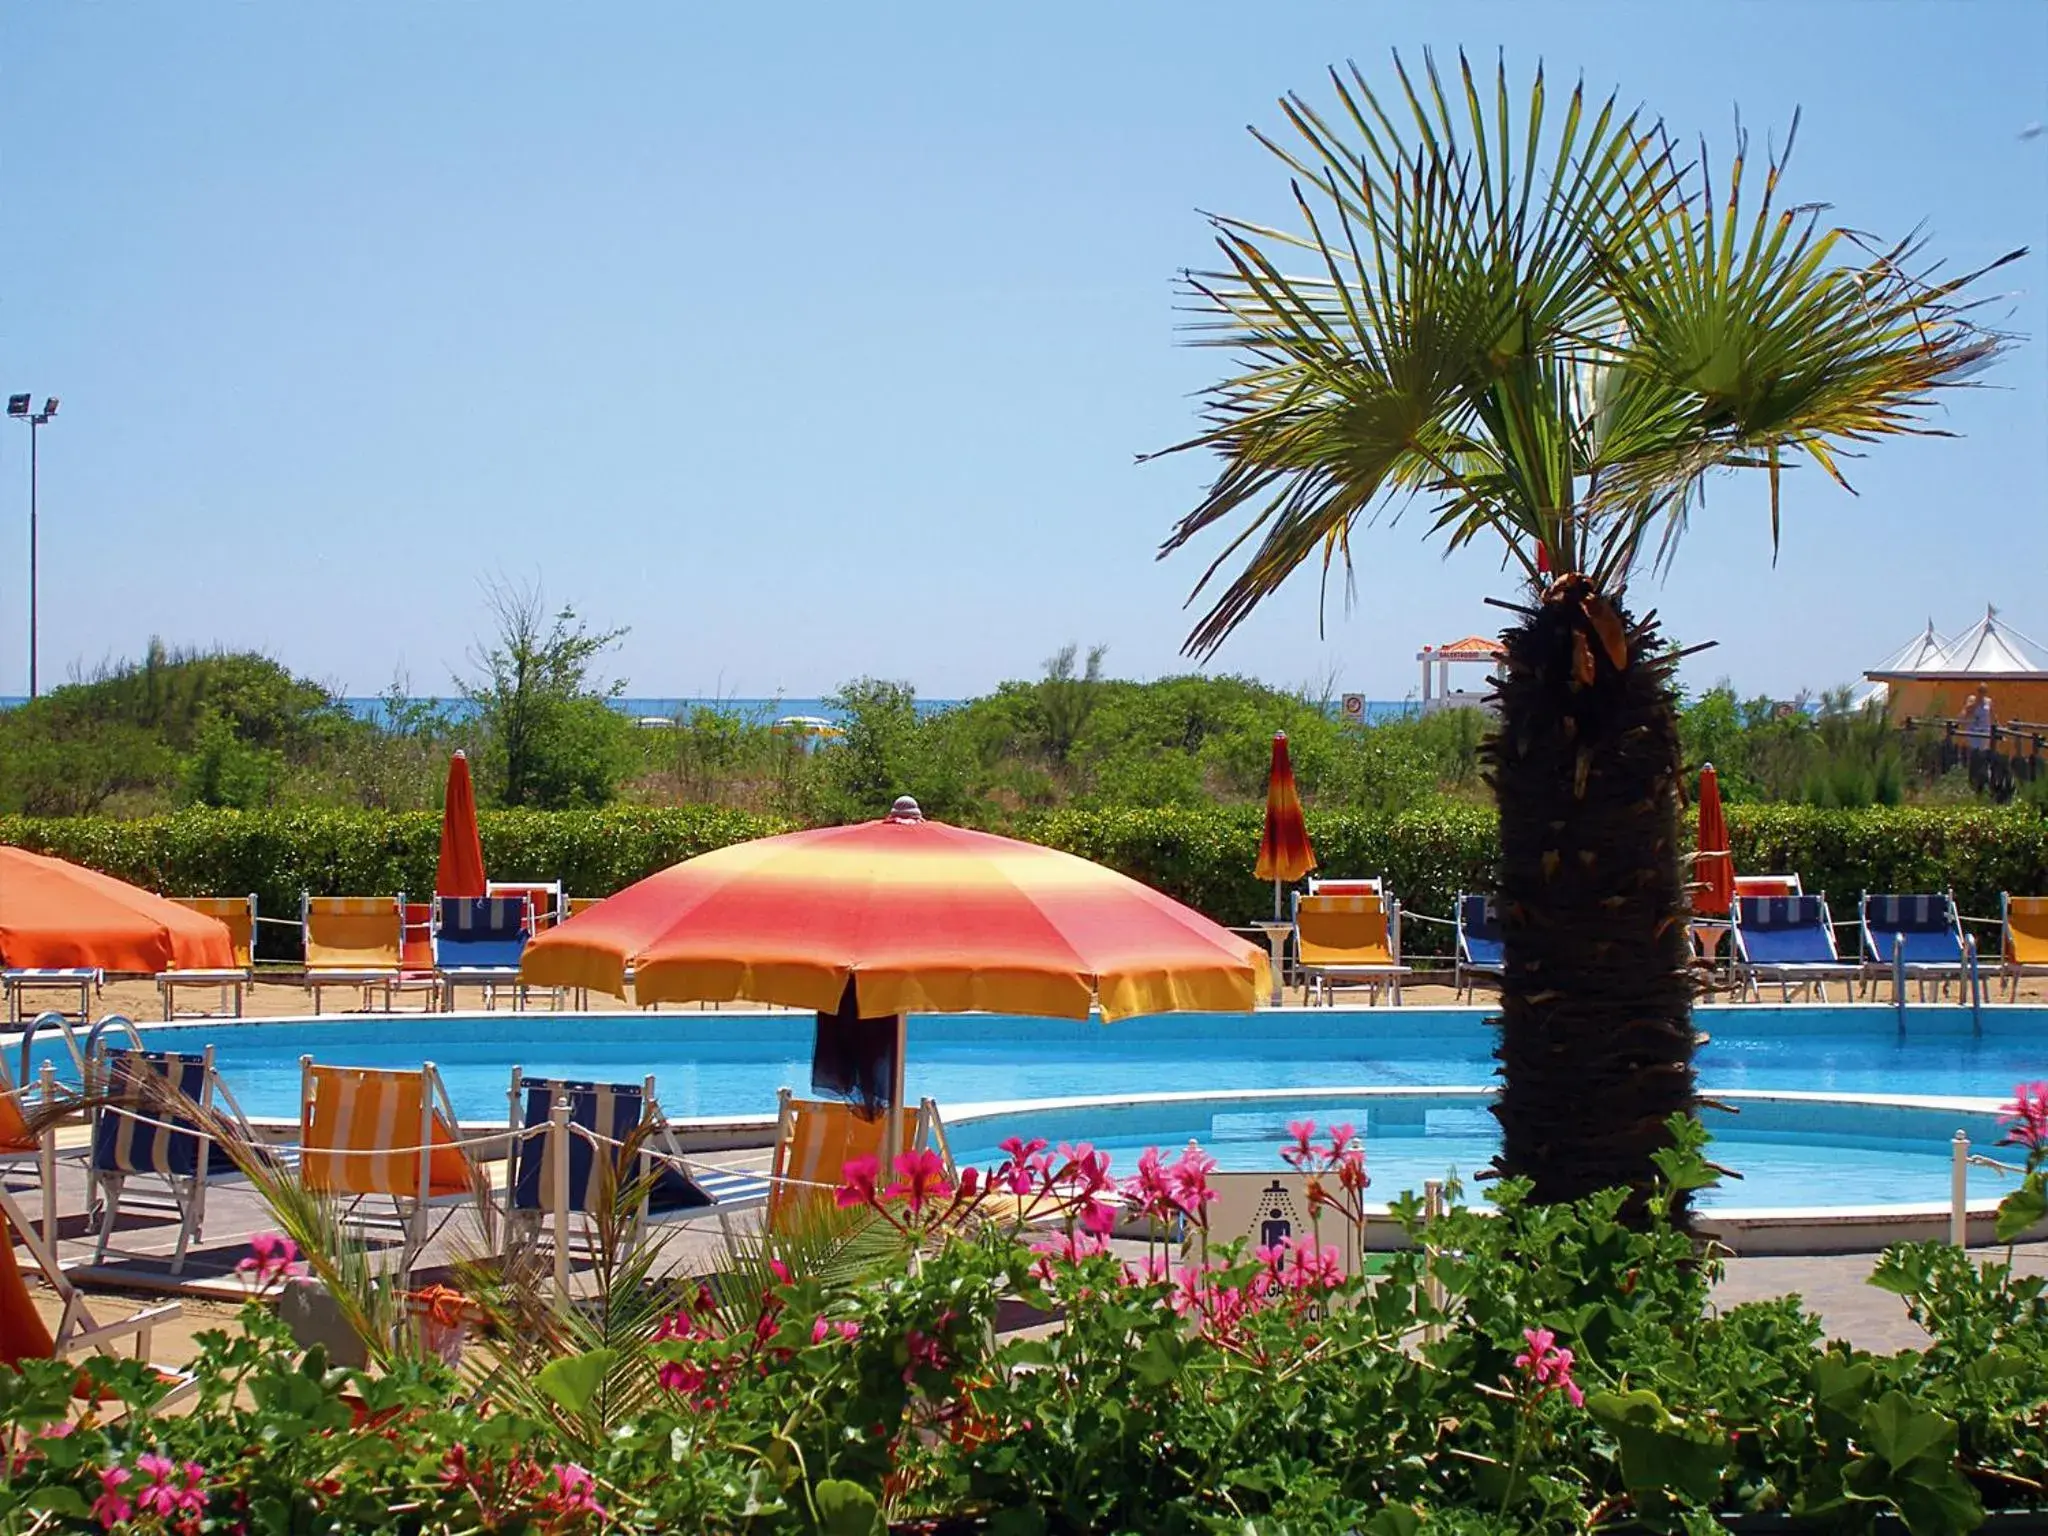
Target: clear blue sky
[(817, 341)]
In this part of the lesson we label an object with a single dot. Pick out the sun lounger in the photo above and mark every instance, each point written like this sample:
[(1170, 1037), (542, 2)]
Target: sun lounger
[(79, 981), (366, 1133), (545, 897), (1349, 941), (22, 1148), (24, 1335), (1481, 952), (239, 914), (478, 942), (605, 1117), (814, 1141), (142, 1132), (1365, 885), (1789, 940), (373, 943), (2024, 950), (1768, 885), (1922, 931)]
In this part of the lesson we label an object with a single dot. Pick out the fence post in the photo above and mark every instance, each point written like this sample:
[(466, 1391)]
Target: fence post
[(1959, 1191), (558, 1190), (1432, 1211), (46, 1149)]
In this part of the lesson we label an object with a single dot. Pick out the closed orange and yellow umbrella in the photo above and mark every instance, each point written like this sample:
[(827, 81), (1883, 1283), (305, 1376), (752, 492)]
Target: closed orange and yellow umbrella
[(461, 870), (914, 915), (59, 915), (1714, 869), (1284, 852)]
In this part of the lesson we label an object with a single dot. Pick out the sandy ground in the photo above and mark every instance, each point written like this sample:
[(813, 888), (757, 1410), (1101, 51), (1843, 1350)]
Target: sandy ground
[(140, 1001)]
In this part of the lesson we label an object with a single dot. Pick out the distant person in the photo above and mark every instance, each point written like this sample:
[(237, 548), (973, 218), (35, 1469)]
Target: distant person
[(1980, 728)]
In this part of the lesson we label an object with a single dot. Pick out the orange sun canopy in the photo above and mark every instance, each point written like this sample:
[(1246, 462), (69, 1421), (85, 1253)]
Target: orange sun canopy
[(1284, 851), (55, 914), (920, 916)]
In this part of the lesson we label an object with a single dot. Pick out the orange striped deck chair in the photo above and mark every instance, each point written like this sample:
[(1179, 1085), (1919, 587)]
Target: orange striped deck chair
[(367, 1132), (2026, 939), (24, 1333), (814, 1141), (1349, 940), (239, 914), (351, 941)]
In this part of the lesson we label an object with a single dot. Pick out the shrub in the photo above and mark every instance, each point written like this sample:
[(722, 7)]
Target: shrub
[(1200, 855)]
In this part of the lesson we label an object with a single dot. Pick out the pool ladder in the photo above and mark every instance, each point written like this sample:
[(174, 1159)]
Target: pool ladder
[(80, 1053), (1972, 980)]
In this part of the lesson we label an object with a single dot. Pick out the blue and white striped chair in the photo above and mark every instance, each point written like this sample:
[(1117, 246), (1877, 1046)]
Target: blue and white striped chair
[(140, 1131), (1789, 940), (608, 1114), (477, 943), (1481, 950), (1920, 933)]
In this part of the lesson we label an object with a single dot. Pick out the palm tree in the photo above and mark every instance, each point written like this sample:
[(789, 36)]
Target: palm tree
[(1554, 334)]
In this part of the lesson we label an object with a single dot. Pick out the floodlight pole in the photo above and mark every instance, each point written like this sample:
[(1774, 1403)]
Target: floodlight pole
[(18, 410), (35, 424)]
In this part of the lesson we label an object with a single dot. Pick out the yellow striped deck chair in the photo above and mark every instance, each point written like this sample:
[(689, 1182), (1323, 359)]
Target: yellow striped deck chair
[(369, 1132), (239, 914), (353, 941), (814, 1141), (1349, 940), (2026, 939)]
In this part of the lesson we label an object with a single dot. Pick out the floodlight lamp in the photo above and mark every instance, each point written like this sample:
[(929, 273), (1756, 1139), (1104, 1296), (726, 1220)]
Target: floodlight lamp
[(17, 405), (49, 407)]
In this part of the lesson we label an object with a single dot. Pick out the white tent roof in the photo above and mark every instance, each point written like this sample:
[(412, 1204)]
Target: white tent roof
[(1923, 650), (1991, 649)]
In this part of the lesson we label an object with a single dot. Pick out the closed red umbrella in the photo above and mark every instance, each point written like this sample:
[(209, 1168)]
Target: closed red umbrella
[(1284, 851), (1714, 870), (461, 871)]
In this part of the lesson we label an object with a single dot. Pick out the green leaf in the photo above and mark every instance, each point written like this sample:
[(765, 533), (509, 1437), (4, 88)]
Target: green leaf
[(1902, 1433), (846, 1509), (1159, 1361), (1394, 1520), (2023, 1208), (572, 1382), (59, 1500)]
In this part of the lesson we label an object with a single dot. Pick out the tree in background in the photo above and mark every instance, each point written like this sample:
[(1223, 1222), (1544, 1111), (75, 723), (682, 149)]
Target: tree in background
[(1066, 699), (551, 738), (1553, 335)]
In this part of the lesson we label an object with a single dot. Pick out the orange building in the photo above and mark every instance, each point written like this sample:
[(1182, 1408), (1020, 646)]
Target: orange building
[(1929, 678)]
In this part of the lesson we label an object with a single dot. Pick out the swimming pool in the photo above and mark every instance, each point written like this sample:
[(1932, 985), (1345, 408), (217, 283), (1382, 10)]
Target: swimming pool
[(1790, 1152), (730, 1062)]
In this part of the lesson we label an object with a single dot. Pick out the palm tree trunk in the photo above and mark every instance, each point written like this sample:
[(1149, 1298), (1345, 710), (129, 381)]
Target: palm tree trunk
[(1596, 1038)]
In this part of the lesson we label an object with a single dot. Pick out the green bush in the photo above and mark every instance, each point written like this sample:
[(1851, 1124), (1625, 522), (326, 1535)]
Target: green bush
[(1202, 856)]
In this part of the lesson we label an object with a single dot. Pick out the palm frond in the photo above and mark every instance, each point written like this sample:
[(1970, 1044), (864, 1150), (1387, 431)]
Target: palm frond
[(1548, 332)]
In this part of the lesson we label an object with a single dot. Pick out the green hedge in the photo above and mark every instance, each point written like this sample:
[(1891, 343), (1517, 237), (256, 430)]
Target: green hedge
[(1203, 857)]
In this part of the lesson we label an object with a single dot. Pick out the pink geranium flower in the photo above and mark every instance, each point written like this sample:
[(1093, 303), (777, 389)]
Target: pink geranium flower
[(859, 1175), (1547, 1366), (272, 1256), (2026, 1118), (920, 1179), (112, 1507), (1302, 1150)]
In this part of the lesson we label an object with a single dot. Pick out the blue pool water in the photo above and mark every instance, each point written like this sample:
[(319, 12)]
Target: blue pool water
[(730, 1063), (1787, 1152)]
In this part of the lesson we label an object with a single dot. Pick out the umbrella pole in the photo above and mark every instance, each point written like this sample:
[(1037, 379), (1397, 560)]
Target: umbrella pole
[(898, 1111), (1276, 901)]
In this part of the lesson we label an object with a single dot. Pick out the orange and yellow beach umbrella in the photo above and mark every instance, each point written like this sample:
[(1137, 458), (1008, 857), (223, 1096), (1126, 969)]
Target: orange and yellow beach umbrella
[(1284, 852), (916, 916)]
